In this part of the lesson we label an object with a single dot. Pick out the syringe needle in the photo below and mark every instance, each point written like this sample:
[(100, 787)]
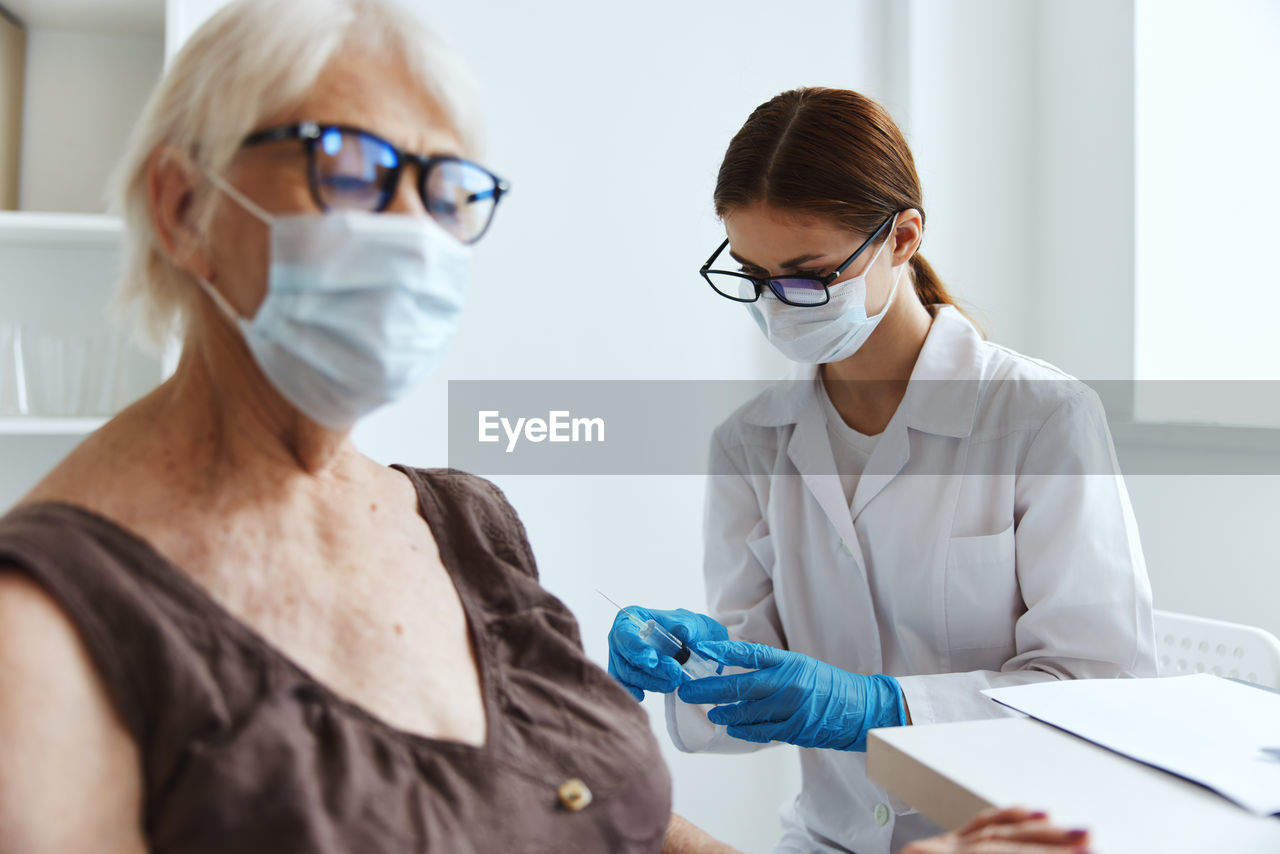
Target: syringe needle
[(634, 618), (606, 596)]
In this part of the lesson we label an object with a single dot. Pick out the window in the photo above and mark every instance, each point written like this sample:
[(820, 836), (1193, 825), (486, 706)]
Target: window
[(1207, 171)]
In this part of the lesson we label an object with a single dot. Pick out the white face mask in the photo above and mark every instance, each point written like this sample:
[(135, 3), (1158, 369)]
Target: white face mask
[(824, 333), (359, 307)]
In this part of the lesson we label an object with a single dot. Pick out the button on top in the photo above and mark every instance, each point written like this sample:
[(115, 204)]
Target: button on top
[(882, 814), (574, 794)]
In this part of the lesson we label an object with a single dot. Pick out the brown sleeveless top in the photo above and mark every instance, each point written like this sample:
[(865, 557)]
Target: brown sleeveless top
[(244, 751)]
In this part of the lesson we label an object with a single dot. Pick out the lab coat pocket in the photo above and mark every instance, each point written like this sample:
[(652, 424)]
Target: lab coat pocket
[(982, 596)]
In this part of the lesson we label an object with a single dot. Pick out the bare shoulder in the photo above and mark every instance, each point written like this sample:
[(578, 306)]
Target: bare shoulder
[(111, 473), (91, 462), (33, 628), (69, 770)]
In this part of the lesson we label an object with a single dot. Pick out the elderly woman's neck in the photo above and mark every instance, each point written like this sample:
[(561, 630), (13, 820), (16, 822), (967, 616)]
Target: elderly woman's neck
[(236, 422)]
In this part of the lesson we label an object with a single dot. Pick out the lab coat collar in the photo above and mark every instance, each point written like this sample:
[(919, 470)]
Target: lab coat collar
[(941, 397)]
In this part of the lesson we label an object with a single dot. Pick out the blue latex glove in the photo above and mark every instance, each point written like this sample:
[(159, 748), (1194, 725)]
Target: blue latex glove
[(794, 698), (638, 666)]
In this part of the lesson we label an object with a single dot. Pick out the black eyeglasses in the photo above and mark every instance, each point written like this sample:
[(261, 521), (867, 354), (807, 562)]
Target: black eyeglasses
[(353, 170), (800, 289)]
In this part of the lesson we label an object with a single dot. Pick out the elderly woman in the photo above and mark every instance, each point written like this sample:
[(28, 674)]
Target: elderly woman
[(222, 628)]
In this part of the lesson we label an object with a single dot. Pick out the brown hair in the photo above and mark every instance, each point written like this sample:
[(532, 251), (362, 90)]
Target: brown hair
[(832, 153)]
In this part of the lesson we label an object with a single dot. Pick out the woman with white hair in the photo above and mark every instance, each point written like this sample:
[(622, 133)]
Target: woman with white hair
[(222, 628)]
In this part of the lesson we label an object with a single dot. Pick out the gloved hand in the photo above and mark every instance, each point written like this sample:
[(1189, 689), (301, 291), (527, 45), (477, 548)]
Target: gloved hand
[(794, 698), (638, 666)]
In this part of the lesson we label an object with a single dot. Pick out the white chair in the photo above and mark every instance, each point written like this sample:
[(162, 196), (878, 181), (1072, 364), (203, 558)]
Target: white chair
[(1188, 644)]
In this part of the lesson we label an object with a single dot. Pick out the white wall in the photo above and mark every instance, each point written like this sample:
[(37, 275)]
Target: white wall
[(1020, 118), (963, 97), (1210, 543), (1083, 208), (75, 117)]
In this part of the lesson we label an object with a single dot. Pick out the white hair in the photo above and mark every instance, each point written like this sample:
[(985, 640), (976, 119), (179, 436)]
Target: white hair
[(253, 59)]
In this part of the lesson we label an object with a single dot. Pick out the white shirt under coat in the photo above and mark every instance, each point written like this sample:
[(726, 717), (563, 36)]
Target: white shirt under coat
[(990, 542)]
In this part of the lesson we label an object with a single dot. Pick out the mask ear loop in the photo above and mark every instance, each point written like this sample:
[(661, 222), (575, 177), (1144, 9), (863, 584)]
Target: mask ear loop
[(220, 301), (245, 202), (255, 210), (883, 244), (894, 289), (875, 257)]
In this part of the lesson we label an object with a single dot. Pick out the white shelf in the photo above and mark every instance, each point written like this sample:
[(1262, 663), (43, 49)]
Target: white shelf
[(30, 425), (119, 16), (32, 228)]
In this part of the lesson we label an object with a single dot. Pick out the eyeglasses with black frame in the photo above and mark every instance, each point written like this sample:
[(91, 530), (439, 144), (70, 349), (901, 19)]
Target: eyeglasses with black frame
[(351, 169), (800, 289)]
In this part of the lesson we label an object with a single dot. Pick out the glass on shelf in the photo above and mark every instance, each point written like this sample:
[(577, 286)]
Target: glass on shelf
[(59, 374), (13, 394)]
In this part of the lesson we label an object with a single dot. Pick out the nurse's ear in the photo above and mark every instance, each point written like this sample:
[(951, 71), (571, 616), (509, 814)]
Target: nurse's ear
[(907, 232), (172, 181)]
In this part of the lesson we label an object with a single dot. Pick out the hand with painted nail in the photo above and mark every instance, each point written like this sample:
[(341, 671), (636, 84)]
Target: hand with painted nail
[(1007, 831)]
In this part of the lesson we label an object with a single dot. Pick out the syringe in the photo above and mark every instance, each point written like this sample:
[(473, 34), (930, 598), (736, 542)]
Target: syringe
[(665, 643)]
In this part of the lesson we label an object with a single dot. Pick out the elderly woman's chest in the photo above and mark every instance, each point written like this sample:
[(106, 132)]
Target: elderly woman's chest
[(371, 612), (572, 764), (568, 760)]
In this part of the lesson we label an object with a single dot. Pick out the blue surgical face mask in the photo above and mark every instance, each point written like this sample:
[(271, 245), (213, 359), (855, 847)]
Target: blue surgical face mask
[(359, 308), (824, 333)]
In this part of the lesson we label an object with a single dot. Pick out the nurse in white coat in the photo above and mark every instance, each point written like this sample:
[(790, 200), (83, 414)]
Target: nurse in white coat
[(915, 515)]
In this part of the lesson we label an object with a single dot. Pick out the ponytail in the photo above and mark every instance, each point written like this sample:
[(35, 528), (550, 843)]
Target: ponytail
[(931, 290), (928, 286)]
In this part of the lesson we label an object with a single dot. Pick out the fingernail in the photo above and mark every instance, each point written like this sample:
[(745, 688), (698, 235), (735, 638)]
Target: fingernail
[(1077, 833), (1039, 814)]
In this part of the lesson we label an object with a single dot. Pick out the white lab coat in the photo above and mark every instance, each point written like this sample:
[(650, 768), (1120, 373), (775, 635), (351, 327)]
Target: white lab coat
[(990, 542)]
